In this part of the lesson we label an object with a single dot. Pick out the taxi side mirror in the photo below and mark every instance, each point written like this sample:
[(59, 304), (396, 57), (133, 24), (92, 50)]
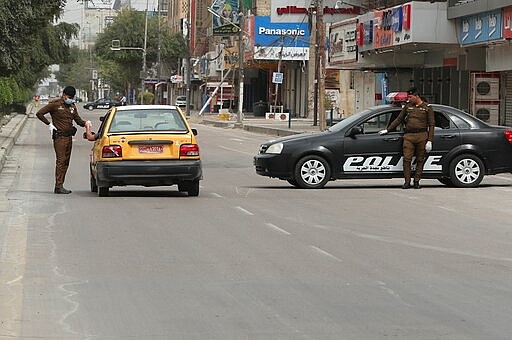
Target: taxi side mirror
[(194, 131)]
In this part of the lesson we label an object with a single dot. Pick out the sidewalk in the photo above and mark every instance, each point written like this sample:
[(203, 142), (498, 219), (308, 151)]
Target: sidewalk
[(10, 132), (259, 124)]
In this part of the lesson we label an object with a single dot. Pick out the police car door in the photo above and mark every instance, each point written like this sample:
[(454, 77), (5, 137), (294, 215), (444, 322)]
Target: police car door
[(446, 138), (368, 153)]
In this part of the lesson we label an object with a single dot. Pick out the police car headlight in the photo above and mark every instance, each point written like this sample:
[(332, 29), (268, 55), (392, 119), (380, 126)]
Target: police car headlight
[(275, 148)]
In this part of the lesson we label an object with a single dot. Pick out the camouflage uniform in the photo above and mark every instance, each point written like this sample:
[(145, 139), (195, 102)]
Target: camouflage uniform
[(419, 128)]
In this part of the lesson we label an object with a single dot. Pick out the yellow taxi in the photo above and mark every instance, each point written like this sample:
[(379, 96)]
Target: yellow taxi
[(148, 145)]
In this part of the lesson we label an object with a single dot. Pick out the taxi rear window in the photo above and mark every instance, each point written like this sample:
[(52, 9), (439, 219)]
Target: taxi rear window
[(148, 120)]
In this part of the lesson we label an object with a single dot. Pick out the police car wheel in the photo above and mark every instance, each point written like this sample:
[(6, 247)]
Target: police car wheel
[(90, 108), (446, 181), (293, 182), (466, 171), (103, 191), (312, 172)]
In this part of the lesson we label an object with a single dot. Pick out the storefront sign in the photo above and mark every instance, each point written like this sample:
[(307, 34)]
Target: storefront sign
[(507, 22), (342, 42), (285, 41), (382, 33), (302, 11), (481, 28)]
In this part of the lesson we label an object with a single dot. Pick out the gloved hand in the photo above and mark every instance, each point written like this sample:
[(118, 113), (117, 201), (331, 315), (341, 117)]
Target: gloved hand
[(428, 146), (51, 127), (88, 124), (383, 132)]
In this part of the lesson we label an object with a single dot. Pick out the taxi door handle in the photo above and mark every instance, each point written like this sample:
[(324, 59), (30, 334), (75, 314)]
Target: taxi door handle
[(392, 139), (447, 136)]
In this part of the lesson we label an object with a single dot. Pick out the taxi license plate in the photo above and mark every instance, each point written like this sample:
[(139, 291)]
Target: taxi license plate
[(151, 148)]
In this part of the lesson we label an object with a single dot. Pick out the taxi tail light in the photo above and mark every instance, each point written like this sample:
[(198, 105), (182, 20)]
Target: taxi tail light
[(508, 135), (112, 151), (187, 150)]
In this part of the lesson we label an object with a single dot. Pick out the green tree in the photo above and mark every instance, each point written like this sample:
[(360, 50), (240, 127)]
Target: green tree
[(128, 28), (29, 43)]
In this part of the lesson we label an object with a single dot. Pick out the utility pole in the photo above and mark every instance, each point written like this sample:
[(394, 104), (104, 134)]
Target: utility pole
[(143, 73), (321, 64), (241, 51), (187, 61), (315, 88), (279, 69)]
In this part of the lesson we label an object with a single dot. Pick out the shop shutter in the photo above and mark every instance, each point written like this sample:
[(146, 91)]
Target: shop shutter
[(508, 99)]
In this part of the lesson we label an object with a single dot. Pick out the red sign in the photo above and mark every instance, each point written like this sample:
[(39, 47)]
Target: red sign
[(382, 33), (406, 13), (360, 34), (507, 22)]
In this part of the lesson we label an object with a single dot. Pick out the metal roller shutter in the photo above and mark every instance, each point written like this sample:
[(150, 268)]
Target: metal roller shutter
[(508, 99)]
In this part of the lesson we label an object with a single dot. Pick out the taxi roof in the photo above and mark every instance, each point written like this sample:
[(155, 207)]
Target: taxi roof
[(146, 107)]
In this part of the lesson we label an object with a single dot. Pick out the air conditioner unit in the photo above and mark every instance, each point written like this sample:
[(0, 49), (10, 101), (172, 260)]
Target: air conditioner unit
[(489, 113), (486, 88)]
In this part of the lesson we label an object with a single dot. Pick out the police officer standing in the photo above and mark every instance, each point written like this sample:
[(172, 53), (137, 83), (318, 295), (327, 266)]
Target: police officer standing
[(419, 121), (63, 112)]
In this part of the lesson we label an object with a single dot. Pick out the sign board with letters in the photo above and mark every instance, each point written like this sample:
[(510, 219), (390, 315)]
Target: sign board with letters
[(285, 41), (481, 27), (342, 42), (277, 77)]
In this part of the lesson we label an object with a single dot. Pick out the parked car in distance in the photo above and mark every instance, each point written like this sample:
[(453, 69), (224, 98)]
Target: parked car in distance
[(102, 103), (181, 101), (148, 145), (464, 150)]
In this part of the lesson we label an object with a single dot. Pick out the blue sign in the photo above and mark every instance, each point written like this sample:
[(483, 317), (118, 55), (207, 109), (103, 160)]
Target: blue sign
[(270, 34), (396, 19), (481, 27)]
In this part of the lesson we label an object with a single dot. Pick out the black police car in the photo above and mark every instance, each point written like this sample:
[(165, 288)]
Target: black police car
[(102, 103), (464, 150)]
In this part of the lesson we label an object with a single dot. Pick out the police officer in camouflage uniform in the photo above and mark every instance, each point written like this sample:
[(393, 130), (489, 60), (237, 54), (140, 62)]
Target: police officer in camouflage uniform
[(419, 121), (63, 112)]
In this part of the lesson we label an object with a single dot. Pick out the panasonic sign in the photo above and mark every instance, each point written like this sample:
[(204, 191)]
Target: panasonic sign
[(280, 31)]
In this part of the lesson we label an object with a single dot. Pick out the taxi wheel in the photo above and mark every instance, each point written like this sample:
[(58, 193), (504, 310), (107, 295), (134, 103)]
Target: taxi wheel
[(94, 187), (466, 171), (312, 172), (103, 191), (193, 188)]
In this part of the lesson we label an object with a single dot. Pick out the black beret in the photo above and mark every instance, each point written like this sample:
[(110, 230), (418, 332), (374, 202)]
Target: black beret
[(70, 91), (413, 91)]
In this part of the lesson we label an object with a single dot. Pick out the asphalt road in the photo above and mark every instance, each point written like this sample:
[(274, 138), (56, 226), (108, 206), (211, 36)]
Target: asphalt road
[(251, 257)]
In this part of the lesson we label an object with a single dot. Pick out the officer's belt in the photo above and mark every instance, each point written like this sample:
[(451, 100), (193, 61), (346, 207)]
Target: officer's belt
[(65, 133), (415, 130)]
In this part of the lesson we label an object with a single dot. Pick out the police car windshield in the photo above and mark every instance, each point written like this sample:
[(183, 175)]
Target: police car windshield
[(348, 121)]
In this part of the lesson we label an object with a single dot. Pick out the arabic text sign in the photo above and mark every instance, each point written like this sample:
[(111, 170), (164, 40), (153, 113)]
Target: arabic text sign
[(481, 27)]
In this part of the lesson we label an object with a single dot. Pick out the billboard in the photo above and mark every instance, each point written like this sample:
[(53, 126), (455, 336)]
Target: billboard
[(99, 4), (225, 20), (285, 41)]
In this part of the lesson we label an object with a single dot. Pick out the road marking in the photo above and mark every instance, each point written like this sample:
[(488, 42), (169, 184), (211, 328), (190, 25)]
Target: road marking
[(235, 150), (245, 211), (319, 226), (15, 280), (216, 195), (446, 208), (238, 139), (276, 228), (451, 251), (323, 252)]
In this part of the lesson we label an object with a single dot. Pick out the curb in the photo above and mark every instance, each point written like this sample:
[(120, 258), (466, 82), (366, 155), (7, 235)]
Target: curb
[(12, 132), (273, 131)]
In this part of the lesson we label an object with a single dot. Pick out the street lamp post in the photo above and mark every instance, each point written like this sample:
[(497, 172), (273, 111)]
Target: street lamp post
[(116, 47)]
